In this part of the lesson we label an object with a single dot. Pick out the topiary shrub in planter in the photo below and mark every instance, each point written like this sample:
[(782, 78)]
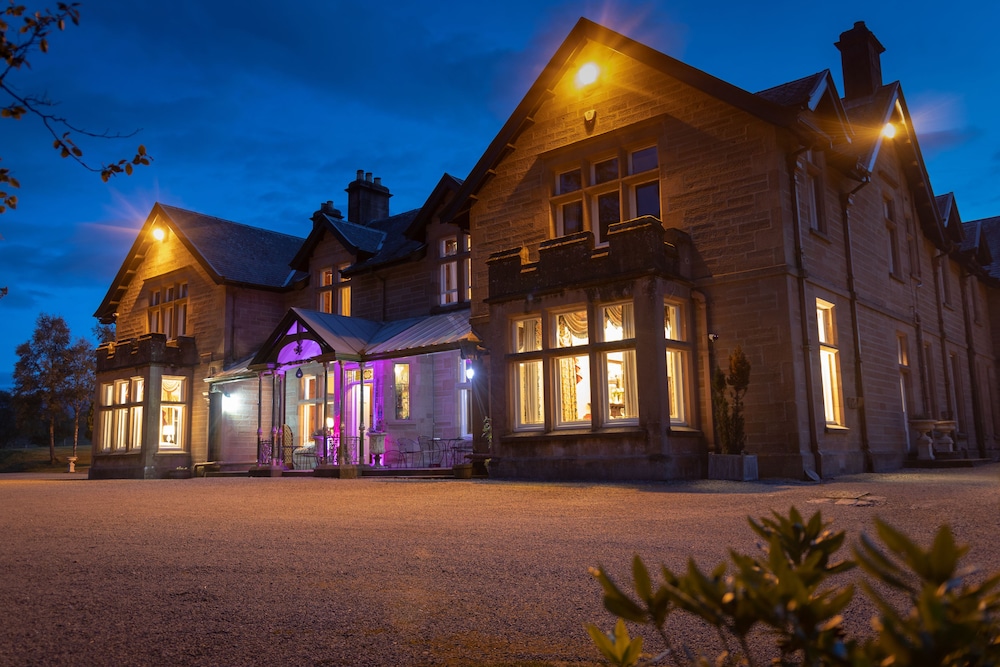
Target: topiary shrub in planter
[(728, 389)]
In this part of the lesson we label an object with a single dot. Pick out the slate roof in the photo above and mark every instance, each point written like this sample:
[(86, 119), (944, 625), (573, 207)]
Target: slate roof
[(235, 252), (989, 232), (357, 237), (796, 93), (395, 245), (230, 252), (354, 338)]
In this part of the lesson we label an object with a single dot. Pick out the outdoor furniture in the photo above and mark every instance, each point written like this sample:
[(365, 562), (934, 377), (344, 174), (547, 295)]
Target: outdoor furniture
[(430, 448), (410, 450), (304, 458), (460, 447)]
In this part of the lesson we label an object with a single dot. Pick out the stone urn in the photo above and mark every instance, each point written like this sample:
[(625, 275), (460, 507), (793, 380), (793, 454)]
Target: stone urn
[(72, 463), (945, 428), (925, 445), (376, 443)]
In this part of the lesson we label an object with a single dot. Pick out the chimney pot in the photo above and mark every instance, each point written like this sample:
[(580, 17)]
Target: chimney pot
[(368, 176), (378, 180), (361, 174)]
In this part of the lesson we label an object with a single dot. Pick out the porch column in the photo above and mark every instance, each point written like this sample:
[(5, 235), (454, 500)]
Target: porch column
[(260, 398), (151, 419), (341, 458), (326, 397), (361, 414)]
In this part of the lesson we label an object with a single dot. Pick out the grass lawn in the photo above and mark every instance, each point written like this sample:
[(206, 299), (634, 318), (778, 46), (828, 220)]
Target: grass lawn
[(36, 459)]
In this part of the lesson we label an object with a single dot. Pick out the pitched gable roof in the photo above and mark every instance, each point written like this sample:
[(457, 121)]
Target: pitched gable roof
[(309, 335), (584, 32), (230, 252), (989, 237)]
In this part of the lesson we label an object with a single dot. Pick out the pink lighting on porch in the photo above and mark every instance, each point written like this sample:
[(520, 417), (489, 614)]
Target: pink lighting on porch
[(299, 351)]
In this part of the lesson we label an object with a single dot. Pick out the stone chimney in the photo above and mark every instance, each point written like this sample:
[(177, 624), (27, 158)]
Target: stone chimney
[(367, 200), (327, 208), (859, 57)]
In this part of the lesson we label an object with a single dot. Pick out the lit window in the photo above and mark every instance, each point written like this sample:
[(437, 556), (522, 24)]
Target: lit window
[(455, 285), (622, 397), (528, 395), (678, 350), (829, 362), (334, 292), (401, 380), (343, 291), (528, 335), (571, 328), (172, 398), (572, 390)]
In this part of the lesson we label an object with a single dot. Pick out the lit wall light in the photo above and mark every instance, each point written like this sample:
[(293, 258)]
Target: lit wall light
[(587, 74), (159, 233), (888, 130)]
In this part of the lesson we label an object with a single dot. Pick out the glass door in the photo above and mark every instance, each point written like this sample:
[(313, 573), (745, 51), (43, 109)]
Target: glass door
[(358, 410)]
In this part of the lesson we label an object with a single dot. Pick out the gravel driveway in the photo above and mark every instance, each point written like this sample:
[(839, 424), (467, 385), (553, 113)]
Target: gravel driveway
[(240, 571)]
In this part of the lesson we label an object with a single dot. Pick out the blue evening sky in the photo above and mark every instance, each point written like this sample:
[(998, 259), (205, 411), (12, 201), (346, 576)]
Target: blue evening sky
[(259, 111)]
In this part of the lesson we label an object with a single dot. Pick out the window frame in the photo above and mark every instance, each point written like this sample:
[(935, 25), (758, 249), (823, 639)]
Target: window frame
[(594, 188), (829, 363), (167, 310)]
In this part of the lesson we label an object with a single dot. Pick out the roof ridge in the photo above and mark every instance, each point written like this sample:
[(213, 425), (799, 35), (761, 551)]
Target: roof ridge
[(230, 222)]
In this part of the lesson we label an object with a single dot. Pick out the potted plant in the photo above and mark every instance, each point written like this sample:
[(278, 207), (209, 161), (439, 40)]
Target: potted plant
[(728, 389)]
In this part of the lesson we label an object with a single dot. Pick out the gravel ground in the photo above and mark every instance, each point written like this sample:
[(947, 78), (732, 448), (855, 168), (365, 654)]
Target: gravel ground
[(240, 571)]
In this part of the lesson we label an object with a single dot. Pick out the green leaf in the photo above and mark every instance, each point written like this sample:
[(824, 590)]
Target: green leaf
[(643, 586)]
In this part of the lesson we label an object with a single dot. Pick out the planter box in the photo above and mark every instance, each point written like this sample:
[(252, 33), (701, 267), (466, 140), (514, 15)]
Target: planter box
[(462, 470), (734, 467)]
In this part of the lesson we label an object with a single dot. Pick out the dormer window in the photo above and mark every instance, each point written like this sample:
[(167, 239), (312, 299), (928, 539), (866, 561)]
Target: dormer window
[(168, 311), (334, 292), (455, 283)]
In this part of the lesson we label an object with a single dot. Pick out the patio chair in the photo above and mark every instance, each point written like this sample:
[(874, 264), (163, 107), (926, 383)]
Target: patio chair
[(431, 451), (410, 450)]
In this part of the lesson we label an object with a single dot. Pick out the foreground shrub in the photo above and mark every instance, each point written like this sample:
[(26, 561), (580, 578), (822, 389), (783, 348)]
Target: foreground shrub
[(947, 617)]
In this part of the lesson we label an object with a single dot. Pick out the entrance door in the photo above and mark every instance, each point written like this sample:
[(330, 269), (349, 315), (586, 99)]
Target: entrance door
[(358, 408)]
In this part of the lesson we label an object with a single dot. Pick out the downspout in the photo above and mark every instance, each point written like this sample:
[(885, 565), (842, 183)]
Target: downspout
[(970, 351), (800, 280), (847, 200)]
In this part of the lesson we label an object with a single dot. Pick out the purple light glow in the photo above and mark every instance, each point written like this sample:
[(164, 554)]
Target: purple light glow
[(299, 351)]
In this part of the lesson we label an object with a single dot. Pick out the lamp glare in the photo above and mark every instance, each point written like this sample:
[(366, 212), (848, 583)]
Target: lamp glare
[(888, 130), (587, 74), (159, 233)]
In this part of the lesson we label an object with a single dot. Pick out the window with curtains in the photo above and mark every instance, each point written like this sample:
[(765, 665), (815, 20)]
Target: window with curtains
[(582, 393), (678, 353), (172, 397), (528, 387), (572, 372), (401, 385), (621, 401), (121, 414)]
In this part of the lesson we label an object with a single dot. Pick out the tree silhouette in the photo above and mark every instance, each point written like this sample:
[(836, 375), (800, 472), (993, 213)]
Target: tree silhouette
[(17, 44), (49, 375)]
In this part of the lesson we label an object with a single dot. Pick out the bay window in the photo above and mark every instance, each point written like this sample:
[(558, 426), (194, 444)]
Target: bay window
[(172, 397), (678, 350)]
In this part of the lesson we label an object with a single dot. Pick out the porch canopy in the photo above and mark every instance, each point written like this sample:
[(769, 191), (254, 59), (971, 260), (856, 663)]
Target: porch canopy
[(305, 336)]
